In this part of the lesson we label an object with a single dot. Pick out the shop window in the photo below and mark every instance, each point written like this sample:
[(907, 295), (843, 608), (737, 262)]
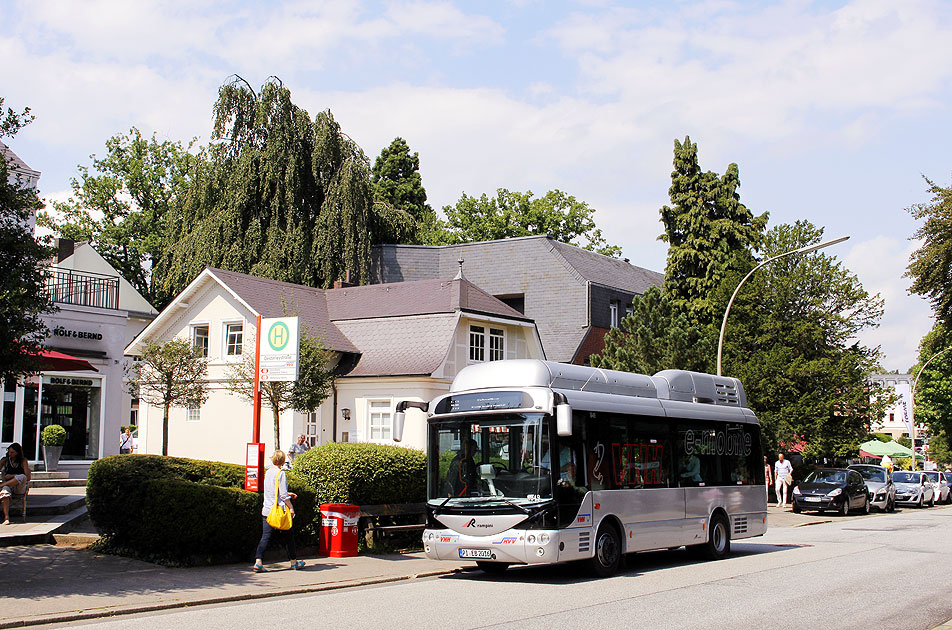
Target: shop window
[(380, 420), (200, 340), (233, 340), (7, 410)]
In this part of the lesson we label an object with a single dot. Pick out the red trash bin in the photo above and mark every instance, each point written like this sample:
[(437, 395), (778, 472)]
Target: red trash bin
[(338, 530)]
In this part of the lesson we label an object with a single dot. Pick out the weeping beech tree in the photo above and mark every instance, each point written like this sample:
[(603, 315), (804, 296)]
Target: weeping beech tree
[(277, 195)]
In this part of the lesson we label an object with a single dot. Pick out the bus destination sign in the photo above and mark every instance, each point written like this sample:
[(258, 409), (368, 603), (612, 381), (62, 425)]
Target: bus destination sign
[(485, 401)]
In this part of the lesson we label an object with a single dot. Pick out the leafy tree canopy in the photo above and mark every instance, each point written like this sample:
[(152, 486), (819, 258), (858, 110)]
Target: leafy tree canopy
[(513, 214), (169, 375), (121, 205), (930, 266), (791, 340), (708, 230), (397, 185), (933, 403), (656, 336), (22, 295), (281, 196)]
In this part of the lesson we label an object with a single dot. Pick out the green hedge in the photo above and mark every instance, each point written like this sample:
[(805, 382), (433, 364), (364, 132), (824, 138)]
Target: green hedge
[(363, 473), (182, 511)]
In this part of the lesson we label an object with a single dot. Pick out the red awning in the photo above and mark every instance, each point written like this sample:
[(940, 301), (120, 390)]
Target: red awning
[(59, 362), (863, 453)]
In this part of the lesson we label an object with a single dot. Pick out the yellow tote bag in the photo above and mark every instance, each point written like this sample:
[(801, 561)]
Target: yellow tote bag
[(279, 517)]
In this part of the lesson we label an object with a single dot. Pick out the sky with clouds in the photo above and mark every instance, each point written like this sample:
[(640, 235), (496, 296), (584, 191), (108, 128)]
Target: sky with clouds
[(834, 111)]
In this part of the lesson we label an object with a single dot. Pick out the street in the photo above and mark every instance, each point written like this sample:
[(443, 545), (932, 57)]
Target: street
[(885, 570)]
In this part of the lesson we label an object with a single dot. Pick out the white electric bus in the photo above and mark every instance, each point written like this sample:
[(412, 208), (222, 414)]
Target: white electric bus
[(534, 462)]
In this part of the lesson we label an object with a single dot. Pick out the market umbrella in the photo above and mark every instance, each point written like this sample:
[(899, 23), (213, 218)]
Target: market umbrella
[(60, 362), (875, 448)]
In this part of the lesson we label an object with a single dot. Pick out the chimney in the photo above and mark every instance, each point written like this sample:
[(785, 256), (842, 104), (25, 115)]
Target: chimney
[(342, 284), (64, 249)]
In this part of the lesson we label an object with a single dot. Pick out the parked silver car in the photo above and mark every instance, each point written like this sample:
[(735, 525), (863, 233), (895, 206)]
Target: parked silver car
[(879, 484), (940, 485), (913, 488)]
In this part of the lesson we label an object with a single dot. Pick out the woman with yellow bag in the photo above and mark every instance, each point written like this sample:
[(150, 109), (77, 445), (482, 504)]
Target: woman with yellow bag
[(277, 512)]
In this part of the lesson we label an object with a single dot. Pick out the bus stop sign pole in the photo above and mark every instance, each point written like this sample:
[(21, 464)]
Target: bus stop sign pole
[(254, 455)]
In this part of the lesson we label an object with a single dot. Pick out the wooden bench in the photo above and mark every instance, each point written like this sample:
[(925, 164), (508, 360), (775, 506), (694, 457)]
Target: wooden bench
[(369, 515)]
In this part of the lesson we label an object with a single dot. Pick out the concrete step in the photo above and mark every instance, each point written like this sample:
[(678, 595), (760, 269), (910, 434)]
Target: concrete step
[(42, 533), (57, 483), (43, 474), (43, 506)]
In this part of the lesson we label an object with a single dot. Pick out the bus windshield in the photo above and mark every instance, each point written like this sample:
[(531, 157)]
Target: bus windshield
[(490, 458)]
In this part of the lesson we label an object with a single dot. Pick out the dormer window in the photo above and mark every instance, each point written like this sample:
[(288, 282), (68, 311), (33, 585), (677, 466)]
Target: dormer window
[(486, 345)]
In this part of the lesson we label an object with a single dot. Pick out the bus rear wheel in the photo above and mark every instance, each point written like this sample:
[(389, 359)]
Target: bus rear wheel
[(492, 567), (607, 558), (718, 544)]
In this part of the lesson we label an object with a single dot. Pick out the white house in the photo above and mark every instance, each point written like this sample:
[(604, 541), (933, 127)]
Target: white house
[(393, 342), (897, 420)]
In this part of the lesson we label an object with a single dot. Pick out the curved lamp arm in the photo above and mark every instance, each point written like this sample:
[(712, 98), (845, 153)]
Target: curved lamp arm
[(803, 250)]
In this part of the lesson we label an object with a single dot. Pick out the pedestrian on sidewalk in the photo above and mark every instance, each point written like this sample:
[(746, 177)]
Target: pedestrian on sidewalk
[(783, 479), (14, 475), (125, 442), (276, 479), (768, 476), (298, 448)]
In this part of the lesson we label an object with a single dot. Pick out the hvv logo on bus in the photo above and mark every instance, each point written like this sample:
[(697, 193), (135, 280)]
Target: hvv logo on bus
[(731, 442)]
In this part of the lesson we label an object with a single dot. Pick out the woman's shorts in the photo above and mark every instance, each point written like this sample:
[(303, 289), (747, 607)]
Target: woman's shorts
[(20, 488)]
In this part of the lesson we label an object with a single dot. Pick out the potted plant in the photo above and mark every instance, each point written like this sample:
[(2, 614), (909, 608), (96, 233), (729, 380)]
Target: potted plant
[(53, 438)]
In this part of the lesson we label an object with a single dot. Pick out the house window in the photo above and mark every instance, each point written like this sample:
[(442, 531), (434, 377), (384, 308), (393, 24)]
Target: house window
[(477, 343), (134, 413), (193, 413), (380, 423), (497, 344), (613, 313), (892, 418), (483, 347), (200, 340), (233, 340)]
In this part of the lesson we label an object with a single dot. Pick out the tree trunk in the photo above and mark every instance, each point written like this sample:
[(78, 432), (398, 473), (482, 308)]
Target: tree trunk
[(277, 429), (165, 430)]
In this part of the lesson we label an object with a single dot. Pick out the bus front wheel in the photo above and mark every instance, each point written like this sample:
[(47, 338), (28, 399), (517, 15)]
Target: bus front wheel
[(607, 557), (718, 543)]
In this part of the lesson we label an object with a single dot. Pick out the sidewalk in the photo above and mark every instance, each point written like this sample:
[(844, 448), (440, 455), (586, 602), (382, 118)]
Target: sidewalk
[(68, 584), (48, 510)]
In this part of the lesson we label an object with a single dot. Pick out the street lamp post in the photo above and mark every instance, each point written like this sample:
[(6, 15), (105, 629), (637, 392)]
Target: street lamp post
[(803, 250), (912, 424)]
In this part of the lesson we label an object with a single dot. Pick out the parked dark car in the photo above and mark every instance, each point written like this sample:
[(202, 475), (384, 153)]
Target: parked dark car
[(839, 489), (879, 484)]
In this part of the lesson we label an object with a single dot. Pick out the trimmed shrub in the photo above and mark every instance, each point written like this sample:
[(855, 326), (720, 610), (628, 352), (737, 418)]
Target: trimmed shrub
[(363, 474), (181, 511), (53, 435)]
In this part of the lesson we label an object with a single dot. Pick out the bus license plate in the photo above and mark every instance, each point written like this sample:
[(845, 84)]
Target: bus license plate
[(475, 553)]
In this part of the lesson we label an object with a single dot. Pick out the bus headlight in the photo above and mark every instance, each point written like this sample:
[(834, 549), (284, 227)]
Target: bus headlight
[(543, 539), (531, 539)]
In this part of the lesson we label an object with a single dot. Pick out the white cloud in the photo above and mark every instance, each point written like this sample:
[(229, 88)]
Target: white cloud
[(880, 264)]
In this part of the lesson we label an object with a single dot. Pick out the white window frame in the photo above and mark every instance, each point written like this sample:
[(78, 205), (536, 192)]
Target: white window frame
[(312, 428), (194, 328), (225, 341), (384, 410), (480, 343), (613, 314), (193, 413)]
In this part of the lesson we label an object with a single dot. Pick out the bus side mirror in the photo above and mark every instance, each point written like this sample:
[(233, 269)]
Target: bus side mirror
[(399, 418), (563, 419)]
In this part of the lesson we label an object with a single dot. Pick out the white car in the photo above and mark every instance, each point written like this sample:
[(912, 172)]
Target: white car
[(940, 485), (913, 488)]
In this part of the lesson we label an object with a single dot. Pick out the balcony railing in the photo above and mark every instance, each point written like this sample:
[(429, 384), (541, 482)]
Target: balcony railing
[(82, 288)]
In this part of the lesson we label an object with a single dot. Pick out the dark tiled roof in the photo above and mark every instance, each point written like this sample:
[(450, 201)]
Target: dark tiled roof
[(401, 346), (422, 297), (269, 297), (398, 329), (608, 271)]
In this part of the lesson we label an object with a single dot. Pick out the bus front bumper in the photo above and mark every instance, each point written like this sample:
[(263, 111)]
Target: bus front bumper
[(514, 546)]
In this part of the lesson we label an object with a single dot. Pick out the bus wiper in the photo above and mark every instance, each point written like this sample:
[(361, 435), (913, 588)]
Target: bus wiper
[(513, 504), (437, 509)]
